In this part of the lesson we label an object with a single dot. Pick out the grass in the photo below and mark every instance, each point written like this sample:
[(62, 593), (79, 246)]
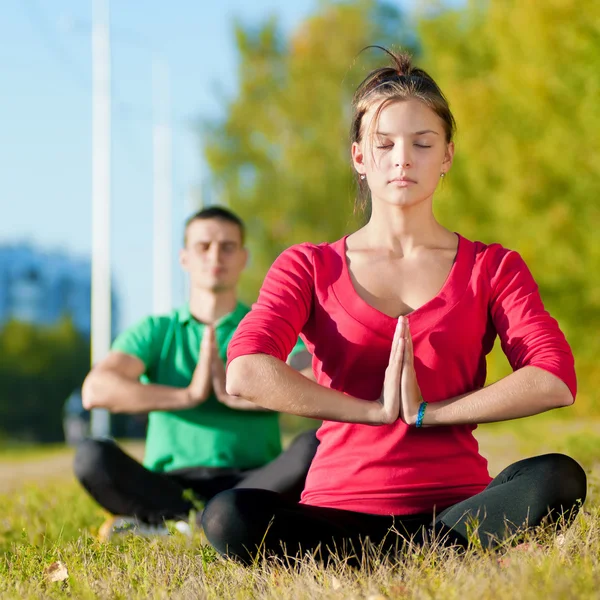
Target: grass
[(12, 453), (21, 452), (51, 522)]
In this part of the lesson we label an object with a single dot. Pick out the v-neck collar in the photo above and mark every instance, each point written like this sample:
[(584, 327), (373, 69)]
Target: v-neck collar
[(422, 317)]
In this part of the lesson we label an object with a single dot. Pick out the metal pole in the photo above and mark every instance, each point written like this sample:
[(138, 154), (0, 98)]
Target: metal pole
[(101, 190), (163, 176)]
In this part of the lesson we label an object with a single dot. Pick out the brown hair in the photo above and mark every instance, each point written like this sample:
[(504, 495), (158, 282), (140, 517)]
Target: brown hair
[(398, 82), (220, 213)]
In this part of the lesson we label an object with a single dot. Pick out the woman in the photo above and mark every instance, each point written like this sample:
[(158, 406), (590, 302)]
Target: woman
[(399, 317)]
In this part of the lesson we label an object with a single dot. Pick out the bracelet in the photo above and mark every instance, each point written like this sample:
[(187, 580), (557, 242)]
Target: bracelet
[(421, 414)]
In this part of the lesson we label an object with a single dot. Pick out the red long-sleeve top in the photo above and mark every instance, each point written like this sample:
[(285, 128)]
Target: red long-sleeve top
[(397, 469)]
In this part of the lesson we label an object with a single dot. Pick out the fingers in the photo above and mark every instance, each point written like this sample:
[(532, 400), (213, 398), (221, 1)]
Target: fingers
[(393, 374), (399, 341), (408, 346), (206, 353), (208, 346), (208, 336), (394, 369), (209, 351)]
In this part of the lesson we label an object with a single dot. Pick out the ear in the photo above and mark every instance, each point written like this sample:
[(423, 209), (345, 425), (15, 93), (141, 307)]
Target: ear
[(183, 259), (448, 157), (358, 158), (246, 254)]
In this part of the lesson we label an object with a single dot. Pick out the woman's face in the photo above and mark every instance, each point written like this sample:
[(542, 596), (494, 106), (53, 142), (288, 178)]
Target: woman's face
[(404, 154)]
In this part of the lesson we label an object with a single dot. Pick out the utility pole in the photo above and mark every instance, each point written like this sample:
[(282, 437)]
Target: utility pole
[(101, 329), (162, 242)]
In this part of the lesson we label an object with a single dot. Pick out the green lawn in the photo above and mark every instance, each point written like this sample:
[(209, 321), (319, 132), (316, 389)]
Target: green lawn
[(14, 453), (50, 522)]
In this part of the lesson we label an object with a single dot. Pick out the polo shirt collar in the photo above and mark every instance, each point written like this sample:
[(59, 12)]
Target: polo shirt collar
[(184, 316)]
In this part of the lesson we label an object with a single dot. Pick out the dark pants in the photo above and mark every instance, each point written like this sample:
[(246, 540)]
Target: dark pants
[(238, 522), (123, 486)]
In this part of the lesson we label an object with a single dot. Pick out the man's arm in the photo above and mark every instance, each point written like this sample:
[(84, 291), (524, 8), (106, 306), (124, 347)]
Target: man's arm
[(300, 361), (218, 383), (114, 384)]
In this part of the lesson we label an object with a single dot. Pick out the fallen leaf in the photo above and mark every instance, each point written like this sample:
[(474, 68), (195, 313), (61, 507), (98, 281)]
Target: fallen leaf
[(57, 571), (398, 590)]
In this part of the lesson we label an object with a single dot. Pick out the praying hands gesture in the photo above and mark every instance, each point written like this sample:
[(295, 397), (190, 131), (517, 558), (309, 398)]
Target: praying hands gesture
[(201, 384), (401, 396), (217, 375), (209, 375)]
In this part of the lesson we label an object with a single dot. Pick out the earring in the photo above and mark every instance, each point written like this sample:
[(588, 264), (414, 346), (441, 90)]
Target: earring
[(443, 175), (362, 176)]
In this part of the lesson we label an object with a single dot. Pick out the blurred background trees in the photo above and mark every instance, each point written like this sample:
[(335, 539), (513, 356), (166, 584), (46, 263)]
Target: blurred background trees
[(280, 158), (40, 367), (523, 80)]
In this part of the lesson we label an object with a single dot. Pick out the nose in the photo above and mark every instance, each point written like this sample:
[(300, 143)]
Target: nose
[(215, 253), (402, 155)]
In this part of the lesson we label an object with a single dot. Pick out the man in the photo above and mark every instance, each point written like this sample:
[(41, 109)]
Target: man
[(200, 440)]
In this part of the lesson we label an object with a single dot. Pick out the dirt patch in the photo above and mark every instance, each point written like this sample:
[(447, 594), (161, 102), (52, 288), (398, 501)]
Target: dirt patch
[(59, 465)]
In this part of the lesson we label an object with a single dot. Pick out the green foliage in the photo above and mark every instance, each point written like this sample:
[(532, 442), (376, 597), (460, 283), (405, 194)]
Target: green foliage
[(523, 80), (281, 157), (40, 367)]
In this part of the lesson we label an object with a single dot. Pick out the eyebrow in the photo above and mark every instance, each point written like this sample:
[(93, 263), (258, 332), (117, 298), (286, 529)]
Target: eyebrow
[(217, 241), (423, 132)]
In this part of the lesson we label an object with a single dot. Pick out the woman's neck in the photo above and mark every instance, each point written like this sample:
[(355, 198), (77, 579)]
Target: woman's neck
[(404, 229)]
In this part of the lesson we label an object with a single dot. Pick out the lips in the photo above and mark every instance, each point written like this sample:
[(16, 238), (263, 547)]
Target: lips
[(402, 180)]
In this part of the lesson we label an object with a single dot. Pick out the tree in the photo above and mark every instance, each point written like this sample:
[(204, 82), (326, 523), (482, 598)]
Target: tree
[(523, 80), (40, 367), (281, 156)]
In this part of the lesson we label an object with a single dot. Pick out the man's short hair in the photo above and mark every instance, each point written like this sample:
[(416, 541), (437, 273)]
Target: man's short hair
[(219, 213)]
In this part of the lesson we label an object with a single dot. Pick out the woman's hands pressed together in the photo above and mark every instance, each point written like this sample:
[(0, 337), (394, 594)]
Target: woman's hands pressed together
[(401, 395)]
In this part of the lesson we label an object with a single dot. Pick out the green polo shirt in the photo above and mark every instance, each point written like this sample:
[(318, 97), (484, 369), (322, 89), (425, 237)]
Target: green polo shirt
[(211, 434)]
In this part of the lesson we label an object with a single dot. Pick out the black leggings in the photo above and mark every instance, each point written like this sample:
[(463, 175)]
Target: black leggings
[(238, 523), (123, 486)]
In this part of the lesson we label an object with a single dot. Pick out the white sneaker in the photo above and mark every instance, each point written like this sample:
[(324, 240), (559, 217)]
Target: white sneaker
[(122, 526), (184, 527)]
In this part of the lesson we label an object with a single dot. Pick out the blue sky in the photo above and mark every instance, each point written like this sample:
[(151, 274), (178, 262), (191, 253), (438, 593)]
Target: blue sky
[(45, 116)]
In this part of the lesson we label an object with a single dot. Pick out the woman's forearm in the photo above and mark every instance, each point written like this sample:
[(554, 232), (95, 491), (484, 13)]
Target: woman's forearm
[(272, 384), (528, 391)]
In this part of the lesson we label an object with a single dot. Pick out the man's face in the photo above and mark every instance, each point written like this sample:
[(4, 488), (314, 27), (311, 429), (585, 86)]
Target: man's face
[(213, 254)]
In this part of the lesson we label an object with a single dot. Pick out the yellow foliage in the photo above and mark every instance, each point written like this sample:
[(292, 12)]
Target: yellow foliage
[(523, 80)]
